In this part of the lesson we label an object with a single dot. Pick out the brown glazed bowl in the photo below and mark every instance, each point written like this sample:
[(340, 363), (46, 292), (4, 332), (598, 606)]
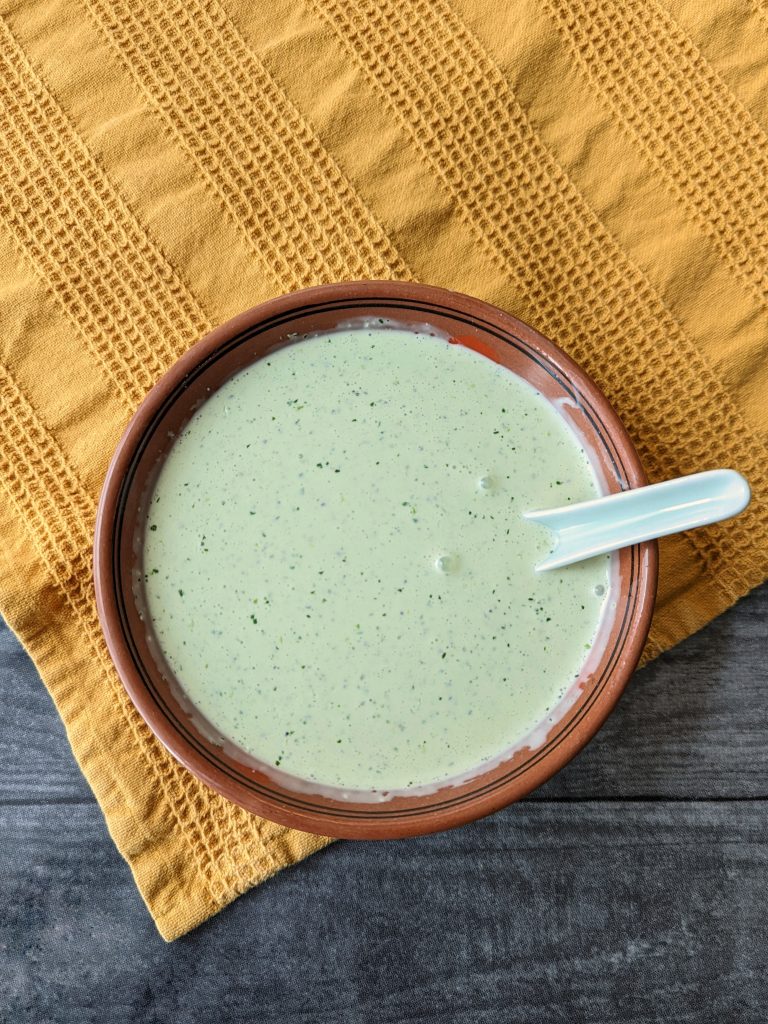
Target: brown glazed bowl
[(209, 364)]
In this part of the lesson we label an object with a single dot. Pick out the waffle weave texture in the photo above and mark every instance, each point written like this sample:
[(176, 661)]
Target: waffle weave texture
[(597, 167)]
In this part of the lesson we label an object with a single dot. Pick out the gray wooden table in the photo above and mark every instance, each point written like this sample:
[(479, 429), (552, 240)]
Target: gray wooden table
[(633, 887)]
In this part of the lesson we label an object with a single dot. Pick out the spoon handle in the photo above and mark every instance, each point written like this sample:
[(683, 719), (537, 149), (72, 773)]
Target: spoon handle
[(629, 517)]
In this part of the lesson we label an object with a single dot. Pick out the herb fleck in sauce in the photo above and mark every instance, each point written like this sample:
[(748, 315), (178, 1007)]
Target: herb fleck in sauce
[(340, 576)]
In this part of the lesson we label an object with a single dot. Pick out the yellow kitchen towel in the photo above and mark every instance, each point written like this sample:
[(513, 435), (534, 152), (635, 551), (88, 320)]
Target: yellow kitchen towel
[(597, 167)]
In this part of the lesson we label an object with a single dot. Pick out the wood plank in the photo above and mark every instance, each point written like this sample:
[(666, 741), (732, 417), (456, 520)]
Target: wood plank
[(35, 760), (630, 911), (693, 724)]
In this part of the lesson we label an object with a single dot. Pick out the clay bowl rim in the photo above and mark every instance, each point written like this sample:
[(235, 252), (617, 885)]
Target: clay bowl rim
[(279, 809)]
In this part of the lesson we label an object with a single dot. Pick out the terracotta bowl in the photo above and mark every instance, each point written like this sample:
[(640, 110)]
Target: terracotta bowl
[(211, 362)]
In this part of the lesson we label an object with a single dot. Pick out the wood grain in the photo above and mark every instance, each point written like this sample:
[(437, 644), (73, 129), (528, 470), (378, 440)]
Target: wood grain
[(693, 724), (630, 888), (36, 763), (617, 911)]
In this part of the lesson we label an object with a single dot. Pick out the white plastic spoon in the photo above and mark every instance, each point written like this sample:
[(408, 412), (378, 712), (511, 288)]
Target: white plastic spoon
[(618, 520)]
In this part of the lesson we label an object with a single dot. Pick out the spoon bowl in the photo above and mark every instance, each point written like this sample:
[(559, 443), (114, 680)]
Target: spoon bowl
[(618, 520)]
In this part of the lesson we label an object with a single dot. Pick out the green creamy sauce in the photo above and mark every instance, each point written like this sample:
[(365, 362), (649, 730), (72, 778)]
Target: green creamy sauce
[(336, 567)]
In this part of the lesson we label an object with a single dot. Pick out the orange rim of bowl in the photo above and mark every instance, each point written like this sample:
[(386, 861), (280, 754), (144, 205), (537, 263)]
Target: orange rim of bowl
[(254, 790)]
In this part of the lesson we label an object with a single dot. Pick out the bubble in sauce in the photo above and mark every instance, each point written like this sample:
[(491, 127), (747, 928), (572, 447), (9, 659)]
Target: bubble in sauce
[(447, 564)]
